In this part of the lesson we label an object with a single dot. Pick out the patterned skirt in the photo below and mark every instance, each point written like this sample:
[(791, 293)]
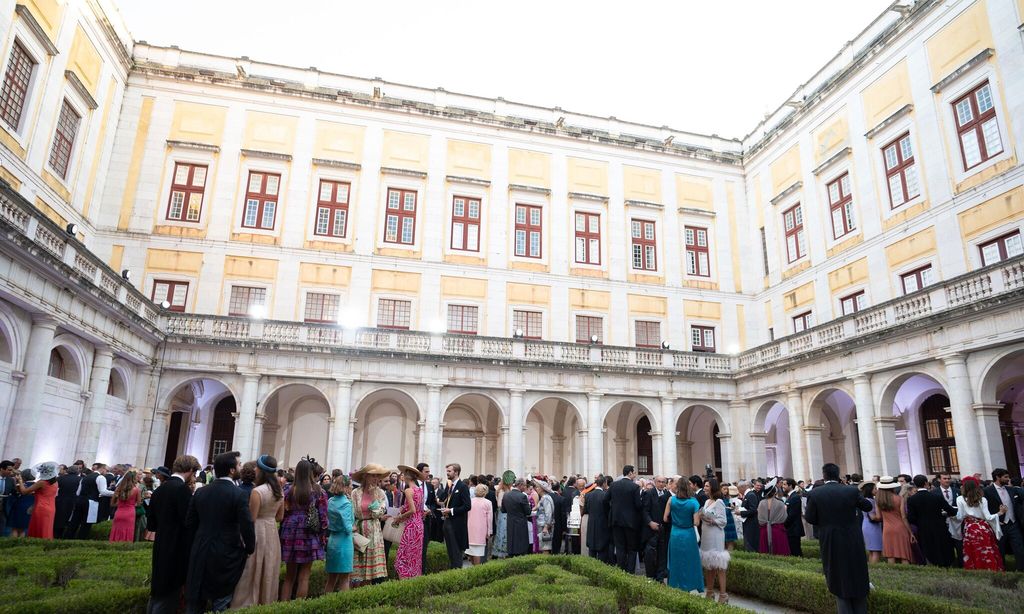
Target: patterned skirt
[(981, 551), (298, 543), (500, 547), (373, 563)]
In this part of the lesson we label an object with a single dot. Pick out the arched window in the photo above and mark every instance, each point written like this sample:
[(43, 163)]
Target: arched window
[(116, 385), (644, 447), (939, 438), (6, 353), (57, 367)]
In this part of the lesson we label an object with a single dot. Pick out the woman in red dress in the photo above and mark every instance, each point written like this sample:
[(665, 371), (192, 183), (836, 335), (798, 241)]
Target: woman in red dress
[(980, 529), (126, 497), (409, 560), (45, 489)]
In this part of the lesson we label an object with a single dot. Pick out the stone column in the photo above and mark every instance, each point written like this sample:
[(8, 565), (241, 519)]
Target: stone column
[(515, 431), (158, 440), (886, 427), (595, 440), (339, 437), (757, 456), (246, 421), (965, 424), (668, 436), (991, 441), (432, 445), (686, 465), (870, 460), (558, 454), (815, 457), (27, 405), (620, 455), (257, 435), (503, 459), (655, 467), (795, 405), (725, 440), (92, 417), (738, 426)]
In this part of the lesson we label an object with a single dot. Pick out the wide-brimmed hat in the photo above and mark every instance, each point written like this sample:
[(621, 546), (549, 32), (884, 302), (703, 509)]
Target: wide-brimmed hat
[(733, 491), (46, 471), (403, 469), (542, 484), (888, 482), (769, 488), (370, 469)]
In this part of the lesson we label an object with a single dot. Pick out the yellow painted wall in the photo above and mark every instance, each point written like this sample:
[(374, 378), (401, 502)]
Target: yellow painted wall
[(7, 176), (785, 170), (588, 176), (108, 104), (768, 319), (116, 257), (886, 95), (741, 325), (589, 300), (47, 13), (84, 60), (694, 192), (1005, 208), (466, 159), (463, 287), (804, 295), (850, 275), (960, 40), (913, 247), (405, 150), (173, 261), (50, 212), (1020, 11), (642, 183), (395, 281), (648, 305), (831, 136), (131, 183), (527, 294), (269, 132), (312, 274), (336, 141), (529, 168), (734, 236), (198, 123), (247, 267), (702, 310)]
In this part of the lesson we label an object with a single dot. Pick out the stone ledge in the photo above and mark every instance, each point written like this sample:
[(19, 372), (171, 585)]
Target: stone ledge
[(193, 145), (959, 72), (352, 166), (485, 183), (405, 172), (888, 121), (269, 155)]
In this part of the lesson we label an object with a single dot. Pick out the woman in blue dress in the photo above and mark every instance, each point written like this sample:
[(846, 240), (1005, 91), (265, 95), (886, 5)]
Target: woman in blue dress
[(340, 519), (730, 522), (684, 568)]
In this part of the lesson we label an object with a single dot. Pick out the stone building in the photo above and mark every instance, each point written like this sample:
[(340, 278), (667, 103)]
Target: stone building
[(205, 253)]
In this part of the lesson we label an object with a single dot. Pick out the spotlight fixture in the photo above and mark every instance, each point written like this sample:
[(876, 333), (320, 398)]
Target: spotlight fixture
[(165, 305), (126, 274), (664, 345), (594, 339), (257, 312), (71, 229), (517, 333)]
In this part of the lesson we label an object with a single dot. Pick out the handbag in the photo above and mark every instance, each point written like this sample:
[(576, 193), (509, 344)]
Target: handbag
[(313, 517), (392, 533), (360, 541)]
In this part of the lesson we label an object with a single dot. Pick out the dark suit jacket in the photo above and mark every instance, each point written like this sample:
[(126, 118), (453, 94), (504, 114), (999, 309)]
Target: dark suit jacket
[(748, 511), (460, 502), (925, 510), (624, 504), (595, 506), (64, 504), (954, 493), (517, 509), (832, 508), (794, 516), (493, 498), (168, 510), (223, 538), (1016, 497), (652, 509)]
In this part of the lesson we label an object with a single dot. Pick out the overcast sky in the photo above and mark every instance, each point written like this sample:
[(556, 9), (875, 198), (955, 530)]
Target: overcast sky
[(713, 67)]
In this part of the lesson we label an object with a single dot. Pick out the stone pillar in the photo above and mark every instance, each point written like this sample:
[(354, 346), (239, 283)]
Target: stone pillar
[(870, 459), (620, 456), (991, 441), (432, 445), (595, 440), (685, 467), (158, 440), (725, 440), (740, 458), (27, 405), (339, 438), (815, 457), (886, 427), (92, 417), (257, 435), (795, 405), (757, 456), (246, 421), (668, 437), (558, 454), (515, 431), (503, 459), (655, 453), (965, 424)]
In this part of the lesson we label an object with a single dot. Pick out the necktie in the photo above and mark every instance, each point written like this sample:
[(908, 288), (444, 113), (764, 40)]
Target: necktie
[(947, 496)]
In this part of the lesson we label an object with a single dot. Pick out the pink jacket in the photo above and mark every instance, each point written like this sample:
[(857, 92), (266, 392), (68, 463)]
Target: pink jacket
[(479, 521)]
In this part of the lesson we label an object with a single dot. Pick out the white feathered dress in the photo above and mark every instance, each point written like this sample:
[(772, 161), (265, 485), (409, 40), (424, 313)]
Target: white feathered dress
[(713, 554)]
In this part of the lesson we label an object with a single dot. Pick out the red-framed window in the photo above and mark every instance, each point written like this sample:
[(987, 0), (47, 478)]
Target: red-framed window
[(466, 224), (698, 259), (802, 322), (244, 298), (917, 279), (530, 322), (394, 313), (321, 307), (463, 319), (16, 82), (901, 170), (529, 231), (647, 333), (840, 203), (796, 241), (977, 126), (64, 139), (261, 195), (645, 245), (589, 326), (400, 220), (853, 303), (588, 238), (332, 208), (702, 338), (174, 292), (997, 250), (188, 185)]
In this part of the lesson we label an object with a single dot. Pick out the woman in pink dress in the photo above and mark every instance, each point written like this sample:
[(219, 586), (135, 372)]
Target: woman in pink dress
[(480, 521), (409, 559), (126, 497)]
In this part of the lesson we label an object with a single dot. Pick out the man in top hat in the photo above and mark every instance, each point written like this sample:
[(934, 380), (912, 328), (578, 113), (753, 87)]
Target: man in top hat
[(454, 510)]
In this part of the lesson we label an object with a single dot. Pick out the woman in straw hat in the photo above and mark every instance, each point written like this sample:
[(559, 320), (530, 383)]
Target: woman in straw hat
[(896, 534), (369, 504), (409, 559), (40, 524)]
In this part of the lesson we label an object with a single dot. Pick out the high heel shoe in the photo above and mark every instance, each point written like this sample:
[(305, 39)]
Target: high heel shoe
[(723, 598), (710, 595)]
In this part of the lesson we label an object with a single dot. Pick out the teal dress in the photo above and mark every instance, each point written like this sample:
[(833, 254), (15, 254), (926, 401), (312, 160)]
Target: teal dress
[(339, 526), (684, 570)]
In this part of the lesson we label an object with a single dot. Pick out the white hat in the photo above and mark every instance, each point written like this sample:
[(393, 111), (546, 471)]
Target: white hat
[(46, 471), (887, 482)]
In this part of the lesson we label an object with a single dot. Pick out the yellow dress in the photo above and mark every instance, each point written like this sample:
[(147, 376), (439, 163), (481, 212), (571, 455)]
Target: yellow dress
[(372, 563)]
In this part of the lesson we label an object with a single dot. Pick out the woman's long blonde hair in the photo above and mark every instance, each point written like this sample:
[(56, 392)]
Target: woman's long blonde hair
[(125, 486)]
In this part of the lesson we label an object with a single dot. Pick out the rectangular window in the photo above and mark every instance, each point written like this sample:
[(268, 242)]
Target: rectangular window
[(188, 184), (917, 279), (16, 82), (900, 171), (588, 327), (392, 313), (840, 203), (645, 245), (321, 307), (648, 334), (802, 322), (588, 238), (528, 231), (977, 126), (400, 220), (796, 243), (853, 303), (64, 139), (702, 338), (332, 208), (531, 323), (463, 319), (261, 195), (697, 257), (244, 298), (466, 224), (997, 250), (174, 292)]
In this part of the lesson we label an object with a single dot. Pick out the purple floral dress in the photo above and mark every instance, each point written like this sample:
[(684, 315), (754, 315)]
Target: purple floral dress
[(298, 543), (409, 560)]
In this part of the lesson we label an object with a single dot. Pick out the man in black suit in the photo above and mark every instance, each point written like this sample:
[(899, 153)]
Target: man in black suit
[(492, 496), (697, 487), (517, 509), (928, 510), (454, 510), (999, 492), (561, 517), (832, 508), (655, 533), (794, 516), (7, 491), (624, 516), (751, 499), (949, 492), (429, 506), (223, 538), (595, 507), (168, 510), (64, 504)]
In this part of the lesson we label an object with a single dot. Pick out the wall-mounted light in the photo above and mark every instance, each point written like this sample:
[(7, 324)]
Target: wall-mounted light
[(594, 339), (665, 345), (437, 326), (517, 333), (734, 348), (165, 305), (71, 229), (126, 274), (257, 312)]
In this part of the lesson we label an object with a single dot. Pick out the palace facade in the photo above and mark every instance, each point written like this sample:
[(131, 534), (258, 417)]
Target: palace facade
[(203, 253)]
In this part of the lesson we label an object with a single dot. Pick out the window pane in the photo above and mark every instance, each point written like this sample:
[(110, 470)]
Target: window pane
[(520, 243), (198, 176), (833, 192), (177, 203), (407, 230), (709, 338), (993, 142), (791, 252), (535, 216), (848, 210), (635, 226), (595, 251), (905, 148), (474, 209), (179, 295), (963, 111), (649, 255), (255, 182), (890, 157), (340, 216), (581, 249), (595, 224), (520, 215), (473, 238), (251, 207), (637, 257), (391, 229), (409, 203), (342, 193), (325, 190), (1013, 246), (691, 263), (269, 208), (702, 261), (460, 207), (927, 277), (910, 283), (798, 215), (689, 236), (972, 153), (844, 184), (649, 232), (801, 243), (789, 220), (323, 219), (990, 253), (272, 181), (181, 174), (457, 235), (984, 97), (695, 338), (837, 223), (393, 198), (896, 189), (535, 244), (581, 222)]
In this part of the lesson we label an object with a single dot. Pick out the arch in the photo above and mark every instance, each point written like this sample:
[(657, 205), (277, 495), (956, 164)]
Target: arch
[(833, 410), (651, 415), (999, 372), (761, 415), (74, 357), (11, 336), (117, 385), (620, 442), (308, 383), (296, 423), (903, 446), (191, 410), (472, 432), (405, 394), (386, 428), (222, 429), (456, 395), (550, 441), (6, 346), (697, 427), (891, 386), (172, 383)]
